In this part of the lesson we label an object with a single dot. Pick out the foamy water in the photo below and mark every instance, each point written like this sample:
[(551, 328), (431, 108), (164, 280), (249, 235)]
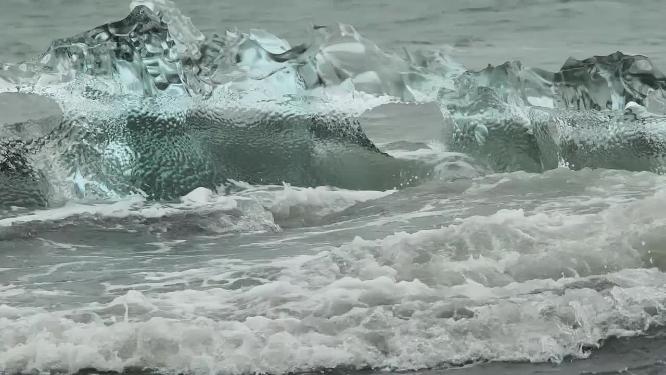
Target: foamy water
[(500, 268)]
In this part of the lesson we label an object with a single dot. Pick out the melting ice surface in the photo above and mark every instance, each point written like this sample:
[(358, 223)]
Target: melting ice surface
[(234, 204)]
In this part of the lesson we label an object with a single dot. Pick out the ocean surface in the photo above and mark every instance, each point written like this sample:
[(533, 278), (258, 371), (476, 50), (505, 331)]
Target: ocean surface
[(372, 202), (541, 33)]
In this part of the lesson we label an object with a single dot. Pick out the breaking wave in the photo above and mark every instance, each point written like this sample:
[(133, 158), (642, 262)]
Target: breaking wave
[(521, 282)]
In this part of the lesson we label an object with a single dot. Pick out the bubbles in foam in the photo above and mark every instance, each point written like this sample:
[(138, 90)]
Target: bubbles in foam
[(532, 283)]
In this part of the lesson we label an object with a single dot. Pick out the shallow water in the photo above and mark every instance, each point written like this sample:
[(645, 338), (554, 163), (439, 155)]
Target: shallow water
[(466, 271)]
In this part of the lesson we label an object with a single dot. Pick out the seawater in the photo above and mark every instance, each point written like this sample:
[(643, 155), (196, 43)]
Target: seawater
[(468, 272)]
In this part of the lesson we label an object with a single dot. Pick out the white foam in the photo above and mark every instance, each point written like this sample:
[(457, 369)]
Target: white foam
[(514, 285), (256, 208), (10, 290), (380, 322), (291, 204), (541, 101), (214, 213), (318, 201), (502, 274)]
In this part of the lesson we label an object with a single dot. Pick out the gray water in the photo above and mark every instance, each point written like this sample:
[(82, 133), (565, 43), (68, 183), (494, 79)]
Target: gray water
[(540, 33), (470, 272)]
